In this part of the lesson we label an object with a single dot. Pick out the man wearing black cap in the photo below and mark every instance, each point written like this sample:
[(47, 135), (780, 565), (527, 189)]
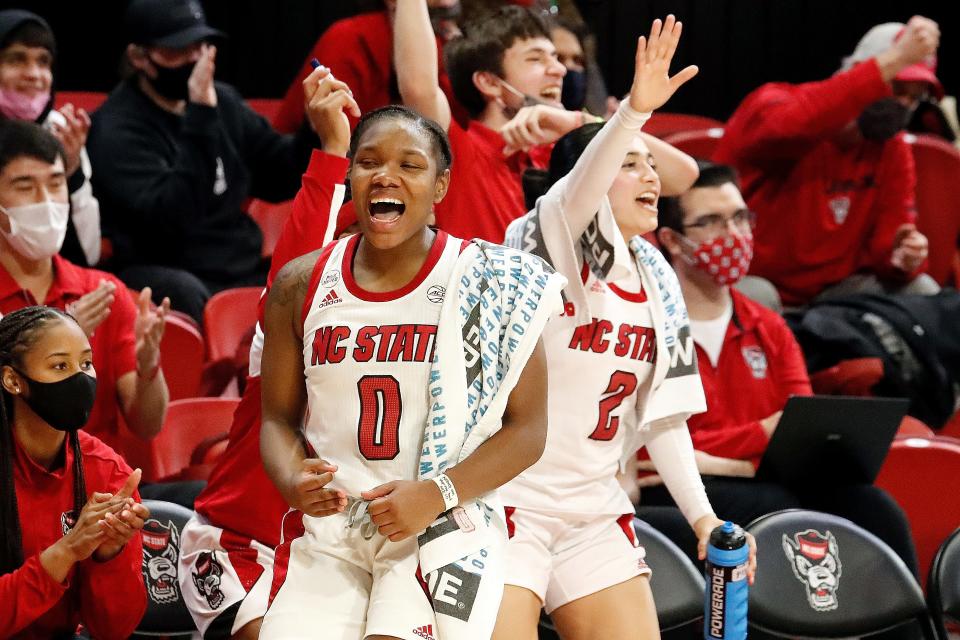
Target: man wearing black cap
[(178, 155), (27, 53)]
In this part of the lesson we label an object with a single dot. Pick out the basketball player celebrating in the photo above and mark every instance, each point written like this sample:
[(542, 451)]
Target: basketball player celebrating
[(622, 374), (412, 361)]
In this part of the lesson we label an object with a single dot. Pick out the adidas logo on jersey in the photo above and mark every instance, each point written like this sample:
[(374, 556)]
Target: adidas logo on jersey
[(425, 631), (329, 299)]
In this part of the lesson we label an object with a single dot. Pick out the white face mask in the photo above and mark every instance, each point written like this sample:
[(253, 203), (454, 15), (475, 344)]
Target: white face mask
[(37, 230)]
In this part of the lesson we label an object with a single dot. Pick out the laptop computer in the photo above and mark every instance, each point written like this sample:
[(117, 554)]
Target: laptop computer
[(827, 440)]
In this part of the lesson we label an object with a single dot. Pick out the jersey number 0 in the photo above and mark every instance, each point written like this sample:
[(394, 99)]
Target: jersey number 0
[(378, 431)]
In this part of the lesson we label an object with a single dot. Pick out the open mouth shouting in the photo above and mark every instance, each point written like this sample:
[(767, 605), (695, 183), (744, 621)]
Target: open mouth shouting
[(385, 212), (648, 200), (551, 94)]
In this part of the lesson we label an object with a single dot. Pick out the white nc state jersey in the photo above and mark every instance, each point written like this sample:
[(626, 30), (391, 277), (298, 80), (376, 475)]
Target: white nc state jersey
[(597, 373), (366, 360)]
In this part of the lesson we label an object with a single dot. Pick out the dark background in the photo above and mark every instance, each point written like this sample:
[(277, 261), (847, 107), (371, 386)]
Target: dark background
[(738, 44)]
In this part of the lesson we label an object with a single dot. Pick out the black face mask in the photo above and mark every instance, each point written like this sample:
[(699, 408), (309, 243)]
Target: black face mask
[(172, 83), (574, 91), (64, 405), (882, 119)]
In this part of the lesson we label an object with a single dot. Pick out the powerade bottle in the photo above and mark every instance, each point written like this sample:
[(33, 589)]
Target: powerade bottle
[(725, 612)]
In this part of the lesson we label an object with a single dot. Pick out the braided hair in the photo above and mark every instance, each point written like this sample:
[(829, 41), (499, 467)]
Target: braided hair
[(18, 333), (438, 137)]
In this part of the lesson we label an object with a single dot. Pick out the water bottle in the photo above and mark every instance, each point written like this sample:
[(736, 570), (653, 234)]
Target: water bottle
[(725, 611)]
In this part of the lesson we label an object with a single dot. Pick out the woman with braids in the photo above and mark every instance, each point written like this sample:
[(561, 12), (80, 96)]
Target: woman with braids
[(402, 383), (65, 560), (622, 375)]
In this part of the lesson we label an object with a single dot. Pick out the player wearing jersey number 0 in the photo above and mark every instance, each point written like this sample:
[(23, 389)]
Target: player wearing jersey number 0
[(350, 337), (621, 376)]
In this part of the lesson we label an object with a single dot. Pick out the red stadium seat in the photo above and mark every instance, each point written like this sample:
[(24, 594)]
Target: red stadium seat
[(227, 318), (270, 217), (923, 476), (191, 424), (700, 144), (938, 201), (182, 357), (910, 427), (952, 428), (663, 124), (267, 107), (89, 101)]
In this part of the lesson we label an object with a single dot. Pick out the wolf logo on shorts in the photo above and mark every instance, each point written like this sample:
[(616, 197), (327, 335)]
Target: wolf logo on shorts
[(207, 579), (161, 546)]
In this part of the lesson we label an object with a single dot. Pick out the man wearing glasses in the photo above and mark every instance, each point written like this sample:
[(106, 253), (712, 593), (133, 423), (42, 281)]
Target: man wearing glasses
[(826, 168)]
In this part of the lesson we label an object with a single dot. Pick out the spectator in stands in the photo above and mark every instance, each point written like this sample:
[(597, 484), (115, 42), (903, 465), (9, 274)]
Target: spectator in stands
[(64, 559), (750, 364), (830, 176), (359, 51), (583, 84), (177, 157), (505, 73), (125, 336), (27, 52)]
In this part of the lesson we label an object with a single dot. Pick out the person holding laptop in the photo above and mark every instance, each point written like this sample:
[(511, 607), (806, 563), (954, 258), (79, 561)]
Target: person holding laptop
[(750, 364)]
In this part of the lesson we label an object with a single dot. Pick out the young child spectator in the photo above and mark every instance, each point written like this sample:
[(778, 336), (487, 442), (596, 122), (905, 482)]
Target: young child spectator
[(27, 53), (359, 51), (505, 73), (64, 559), (125, 336), (750, 364), (830, 177), (178, 155)]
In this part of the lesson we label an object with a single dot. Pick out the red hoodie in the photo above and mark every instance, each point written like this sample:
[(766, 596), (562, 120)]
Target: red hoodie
[(824, 210)]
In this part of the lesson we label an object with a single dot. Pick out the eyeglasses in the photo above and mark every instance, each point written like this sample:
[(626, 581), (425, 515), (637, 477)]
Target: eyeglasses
[(716, 223)]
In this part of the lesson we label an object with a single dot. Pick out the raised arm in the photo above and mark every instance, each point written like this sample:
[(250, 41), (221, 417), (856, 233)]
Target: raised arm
[(588, 182), (415, 59)]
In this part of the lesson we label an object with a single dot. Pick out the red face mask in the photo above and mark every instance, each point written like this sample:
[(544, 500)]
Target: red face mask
[(726, 259)]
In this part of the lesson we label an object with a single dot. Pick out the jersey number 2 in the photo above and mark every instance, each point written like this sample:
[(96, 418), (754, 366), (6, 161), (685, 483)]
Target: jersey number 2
[(622, 384), (378, 433)]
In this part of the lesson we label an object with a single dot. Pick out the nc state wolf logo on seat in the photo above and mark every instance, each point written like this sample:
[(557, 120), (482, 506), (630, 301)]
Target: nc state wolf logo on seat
[(161, 548), (815, 559)]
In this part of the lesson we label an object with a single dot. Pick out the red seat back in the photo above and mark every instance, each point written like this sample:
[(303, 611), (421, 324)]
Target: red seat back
[(923, 476), (182, 357), (700, 143), (189, 424), (270, 218), (663, 124), (910, 427), (267, 107), (227, 318), (938, 201), (89, 101)]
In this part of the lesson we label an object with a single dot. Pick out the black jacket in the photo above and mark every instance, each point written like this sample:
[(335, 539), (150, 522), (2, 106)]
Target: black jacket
[(172, 188)]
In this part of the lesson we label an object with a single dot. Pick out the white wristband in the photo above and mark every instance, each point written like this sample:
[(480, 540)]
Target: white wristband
[(447, 490)]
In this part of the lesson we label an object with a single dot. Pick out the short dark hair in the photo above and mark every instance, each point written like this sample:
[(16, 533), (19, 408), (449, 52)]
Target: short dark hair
[(19, 138), (566, 151), (438, 137), (32, 31), (669, 210), (482, 47)]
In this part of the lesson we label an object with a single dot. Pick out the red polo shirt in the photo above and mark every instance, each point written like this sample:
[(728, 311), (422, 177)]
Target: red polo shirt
[(109, 598), (113, 342), (486, 192), (825, 210), (760, 366), (359, 51)]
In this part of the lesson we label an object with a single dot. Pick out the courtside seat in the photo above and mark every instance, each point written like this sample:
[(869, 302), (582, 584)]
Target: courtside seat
[(938, 201), (943, 586), (700, 143), (664, 124), (191, 425), (821, 576)]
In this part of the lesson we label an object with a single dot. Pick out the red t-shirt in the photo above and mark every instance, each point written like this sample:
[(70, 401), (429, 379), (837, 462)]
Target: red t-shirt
[(824, 210), (759, 367), (239, 495), (486, 192), (359, 51), (109, 598), (113, 342)]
